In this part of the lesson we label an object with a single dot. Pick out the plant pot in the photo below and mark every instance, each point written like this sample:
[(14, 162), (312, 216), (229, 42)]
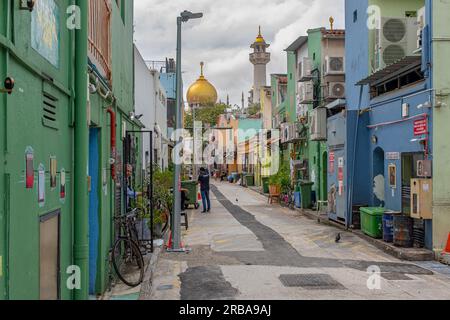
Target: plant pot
[(143, 229), (274, 190), (157, 230)]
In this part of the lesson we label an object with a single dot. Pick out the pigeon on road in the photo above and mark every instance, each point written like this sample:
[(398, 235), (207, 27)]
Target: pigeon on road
[(338, 238)]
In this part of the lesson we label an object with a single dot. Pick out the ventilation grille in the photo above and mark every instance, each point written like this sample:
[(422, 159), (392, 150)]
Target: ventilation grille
[(50, 111)]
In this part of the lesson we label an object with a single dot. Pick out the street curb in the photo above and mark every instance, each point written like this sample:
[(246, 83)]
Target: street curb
[(146, 286), (406, 254)]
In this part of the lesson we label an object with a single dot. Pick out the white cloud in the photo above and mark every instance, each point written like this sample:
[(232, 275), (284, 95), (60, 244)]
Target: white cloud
[(222, 38)]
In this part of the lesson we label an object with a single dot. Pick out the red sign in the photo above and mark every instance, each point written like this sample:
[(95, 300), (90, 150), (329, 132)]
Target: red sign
[(331, 161), (420, 127)]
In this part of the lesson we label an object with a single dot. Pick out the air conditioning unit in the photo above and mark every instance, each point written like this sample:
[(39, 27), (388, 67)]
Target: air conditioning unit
[(335, 90), (421, 22), (306, 92), (396, 39), (334, 66), (319, 124), (302, 110), (305, 69)]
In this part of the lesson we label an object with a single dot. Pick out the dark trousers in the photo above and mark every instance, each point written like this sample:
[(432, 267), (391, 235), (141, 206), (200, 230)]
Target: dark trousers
[(205, 200)]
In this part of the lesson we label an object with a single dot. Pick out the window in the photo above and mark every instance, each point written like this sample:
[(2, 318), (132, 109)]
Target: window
[(355, 15)]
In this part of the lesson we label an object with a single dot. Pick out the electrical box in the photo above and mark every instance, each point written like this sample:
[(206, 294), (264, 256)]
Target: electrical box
[(421, 199), (319, 124)]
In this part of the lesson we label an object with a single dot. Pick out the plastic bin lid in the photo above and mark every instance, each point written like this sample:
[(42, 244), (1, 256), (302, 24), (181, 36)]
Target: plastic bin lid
[(374, 211)]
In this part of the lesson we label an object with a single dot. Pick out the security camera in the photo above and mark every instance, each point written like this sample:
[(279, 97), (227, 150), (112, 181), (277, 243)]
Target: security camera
[(9, 83), (9, 86), (30, 4)]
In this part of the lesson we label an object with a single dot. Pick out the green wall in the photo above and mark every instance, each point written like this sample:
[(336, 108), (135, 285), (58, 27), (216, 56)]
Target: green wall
[(441, 134), (122, 88), (317, 150), (23, 126)]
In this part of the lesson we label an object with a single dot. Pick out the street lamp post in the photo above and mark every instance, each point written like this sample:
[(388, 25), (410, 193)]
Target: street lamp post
[(185, 16)]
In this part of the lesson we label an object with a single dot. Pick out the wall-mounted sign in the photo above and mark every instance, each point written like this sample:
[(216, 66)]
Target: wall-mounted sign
[(29, 168), (341, 175), (393, 155), (53, 167), (62, 186), (392, 170), (331, 162), (420, 127), (41, 185)]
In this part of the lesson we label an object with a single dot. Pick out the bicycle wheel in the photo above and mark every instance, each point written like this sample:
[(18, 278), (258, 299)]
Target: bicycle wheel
[(128, 262)]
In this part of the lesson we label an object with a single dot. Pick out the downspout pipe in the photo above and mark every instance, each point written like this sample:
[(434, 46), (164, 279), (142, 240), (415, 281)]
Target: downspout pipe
[(81, 197), (112, 115)]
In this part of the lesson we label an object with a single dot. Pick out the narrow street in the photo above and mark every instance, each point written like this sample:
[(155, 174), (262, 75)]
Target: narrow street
[(236, 255)]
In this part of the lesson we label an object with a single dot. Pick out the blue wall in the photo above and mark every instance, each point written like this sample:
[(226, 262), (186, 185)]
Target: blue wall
[(356, 52), (391, 138)]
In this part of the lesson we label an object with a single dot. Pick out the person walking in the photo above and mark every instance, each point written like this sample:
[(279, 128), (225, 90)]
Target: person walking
[(203, 180)]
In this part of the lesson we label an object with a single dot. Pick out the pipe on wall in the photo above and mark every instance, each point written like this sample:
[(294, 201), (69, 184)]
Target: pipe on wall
[(112, 115), (81, 194)]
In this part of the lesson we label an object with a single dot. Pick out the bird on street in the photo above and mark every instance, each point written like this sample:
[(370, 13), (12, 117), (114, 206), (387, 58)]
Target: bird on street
[(338, 238)]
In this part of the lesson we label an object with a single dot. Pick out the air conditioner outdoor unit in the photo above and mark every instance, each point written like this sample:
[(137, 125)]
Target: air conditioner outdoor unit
[(302, 110), (421, 21), (334, 66), (396, 39), (306, 92), (335, 90), (305, 69), (319, 124)]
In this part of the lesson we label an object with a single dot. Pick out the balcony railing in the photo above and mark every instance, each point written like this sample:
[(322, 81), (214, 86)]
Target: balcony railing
[(100, 35)]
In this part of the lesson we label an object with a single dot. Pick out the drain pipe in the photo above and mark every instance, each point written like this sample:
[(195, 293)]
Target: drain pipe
[(81, 216), (112, 115)]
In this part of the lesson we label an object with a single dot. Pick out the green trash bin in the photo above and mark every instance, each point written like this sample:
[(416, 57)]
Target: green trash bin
[(192, 187), (305, 193), (250, 180), (372, 221), (265, 183)]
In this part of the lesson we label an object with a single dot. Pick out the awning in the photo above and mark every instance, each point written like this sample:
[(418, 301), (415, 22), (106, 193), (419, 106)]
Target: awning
[(390, 71), (336, 103)]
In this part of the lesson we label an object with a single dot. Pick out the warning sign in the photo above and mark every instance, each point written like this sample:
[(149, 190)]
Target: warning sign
[(420, 127)]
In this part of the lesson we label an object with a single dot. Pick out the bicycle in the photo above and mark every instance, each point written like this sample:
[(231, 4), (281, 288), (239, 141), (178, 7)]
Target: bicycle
[(288, 198), (126, 256)]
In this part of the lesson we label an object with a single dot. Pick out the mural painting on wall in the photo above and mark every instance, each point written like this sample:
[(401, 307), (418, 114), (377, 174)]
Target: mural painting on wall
[(53, 166), (41, 185), (62, 187), (29, 168), (45, 30)]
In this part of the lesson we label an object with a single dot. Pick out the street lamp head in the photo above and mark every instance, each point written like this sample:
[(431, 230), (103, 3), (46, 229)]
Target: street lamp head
[(187, 15)]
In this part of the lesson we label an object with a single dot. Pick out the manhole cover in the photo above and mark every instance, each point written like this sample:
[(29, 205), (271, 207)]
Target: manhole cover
[(395, 276), (411, 269), (311, 281)]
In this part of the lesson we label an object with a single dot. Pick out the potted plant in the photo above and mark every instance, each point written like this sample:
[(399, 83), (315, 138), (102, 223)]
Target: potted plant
[(158, 222)]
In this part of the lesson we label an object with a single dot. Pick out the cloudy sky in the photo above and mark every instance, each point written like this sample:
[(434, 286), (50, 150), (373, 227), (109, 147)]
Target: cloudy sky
[(222, 38)]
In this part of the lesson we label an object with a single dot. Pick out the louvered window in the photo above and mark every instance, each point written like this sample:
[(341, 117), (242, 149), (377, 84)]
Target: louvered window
[(50, 111)]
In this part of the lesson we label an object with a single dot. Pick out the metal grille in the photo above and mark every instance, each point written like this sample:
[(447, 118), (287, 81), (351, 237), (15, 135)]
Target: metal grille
[(100, 35), (311, 281), (49, 111)]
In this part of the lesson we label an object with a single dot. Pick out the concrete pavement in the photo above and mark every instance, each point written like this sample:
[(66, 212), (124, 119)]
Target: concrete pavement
[(247, 249)]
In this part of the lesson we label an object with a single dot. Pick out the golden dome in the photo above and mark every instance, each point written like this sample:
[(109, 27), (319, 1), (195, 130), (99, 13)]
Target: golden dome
[(260, 38), (201, 91)]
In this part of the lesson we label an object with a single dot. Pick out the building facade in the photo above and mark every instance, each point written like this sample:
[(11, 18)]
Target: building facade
[(45, 227)]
